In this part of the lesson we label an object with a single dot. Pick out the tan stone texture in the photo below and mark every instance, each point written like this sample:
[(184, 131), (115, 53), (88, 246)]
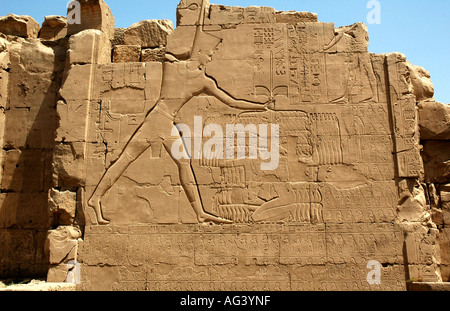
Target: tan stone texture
[(32, 72), (20, 26), (345, 161), (148, 34), (434, 120), (153, 55), (126, 54), (436, 155), (89, 47), (54, 28), (95, 14)]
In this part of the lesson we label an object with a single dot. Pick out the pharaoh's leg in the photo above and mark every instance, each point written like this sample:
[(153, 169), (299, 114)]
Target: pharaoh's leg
[(190, 187), (137, 145)]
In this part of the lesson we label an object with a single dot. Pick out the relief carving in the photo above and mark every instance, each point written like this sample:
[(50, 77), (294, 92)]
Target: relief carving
[(246, 149)]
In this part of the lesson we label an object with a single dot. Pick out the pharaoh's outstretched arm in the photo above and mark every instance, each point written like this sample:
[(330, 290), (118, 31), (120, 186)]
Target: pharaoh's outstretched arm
[(212, 89)]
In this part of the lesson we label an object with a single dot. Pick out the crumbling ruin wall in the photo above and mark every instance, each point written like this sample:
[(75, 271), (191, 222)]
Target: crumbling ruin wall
[(30, 77), (434, 128), (362, 175)]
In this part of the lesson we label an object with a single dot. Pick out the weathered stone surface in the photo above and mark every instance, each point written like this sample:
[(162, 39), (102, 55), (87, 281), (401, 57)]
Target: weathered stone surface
[(444, 240), (68, 165), (330, 184), (20, 26), (24, 210), (32, 68), (445, 204), (22, 253), (95, 14), (62, 206), (126, 54), (148, 33), (436, 155), (421, 81), (434, 121), (219, 15), (293, 17), (61, 244), (89, 47), (153, 55), (118, 37), (53, 28)]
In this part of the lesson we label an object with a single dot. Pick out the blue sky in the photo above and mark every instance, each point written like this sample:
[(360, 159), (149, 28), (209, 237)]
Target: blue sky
[(419, 29)]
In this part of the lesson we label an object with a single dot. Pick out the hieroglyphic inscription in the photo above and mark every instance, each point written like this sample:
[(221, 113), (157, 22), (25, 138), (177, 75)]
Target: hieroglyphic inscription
[(346, 120), (257, 257), (405, 119)]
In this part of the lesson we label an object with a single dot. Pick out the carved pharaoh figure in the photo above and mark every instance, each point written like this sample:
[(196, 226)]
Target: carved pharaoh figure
[(184, 77)]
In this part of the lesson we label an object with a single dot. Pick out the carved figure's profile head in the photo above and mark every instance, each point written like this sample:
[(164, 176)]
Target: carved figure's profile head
[(205, 57)]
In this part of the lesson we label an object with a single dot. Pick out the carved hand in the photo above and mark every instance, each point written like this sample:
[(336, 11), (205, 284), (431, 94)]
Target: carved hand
[(270, 105)]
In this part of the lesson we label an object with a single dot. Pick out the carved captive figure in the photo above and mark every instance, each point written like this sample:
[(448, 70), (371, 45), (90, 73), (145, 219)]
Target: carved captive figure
[(182, 80)]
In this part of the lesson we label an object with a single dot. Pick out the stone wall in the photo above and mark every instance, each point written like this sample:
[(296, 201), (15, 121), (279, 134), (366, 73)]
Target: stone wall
[(30, 78), (90, 184), (435, 135)]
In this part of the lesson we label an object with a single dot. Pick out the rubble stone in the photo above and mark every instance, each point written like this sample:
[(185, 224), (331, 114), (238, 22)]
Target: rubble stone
[(53, 28), (126, 54), (148, 33), (20, 26), (434, 121)]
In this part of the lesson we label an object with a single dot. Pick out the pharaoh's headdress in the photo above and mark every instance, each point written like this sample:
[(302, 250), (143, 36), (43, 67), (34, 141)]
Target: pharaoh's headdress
[(200, 40)]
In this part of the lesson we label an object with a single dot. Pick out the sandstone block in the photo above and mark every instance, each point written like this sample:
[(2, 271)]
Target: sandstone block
[(4, 55), (444, 241), (68, 165), (153, 55), (434, 120), (72, 114), (436, 157), (225, 15), (16, 248), (53, 28), (36, 56), (20, 26), (259, 15), (118, 37), (148, 33), (77, 84), (24, 170), (294, 17), (62, 206), (95, 14), (58, 273), (126, 54), (24, 210), (61, 244), (421, 81), (89, 47), (445, 204), (4, 80)]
